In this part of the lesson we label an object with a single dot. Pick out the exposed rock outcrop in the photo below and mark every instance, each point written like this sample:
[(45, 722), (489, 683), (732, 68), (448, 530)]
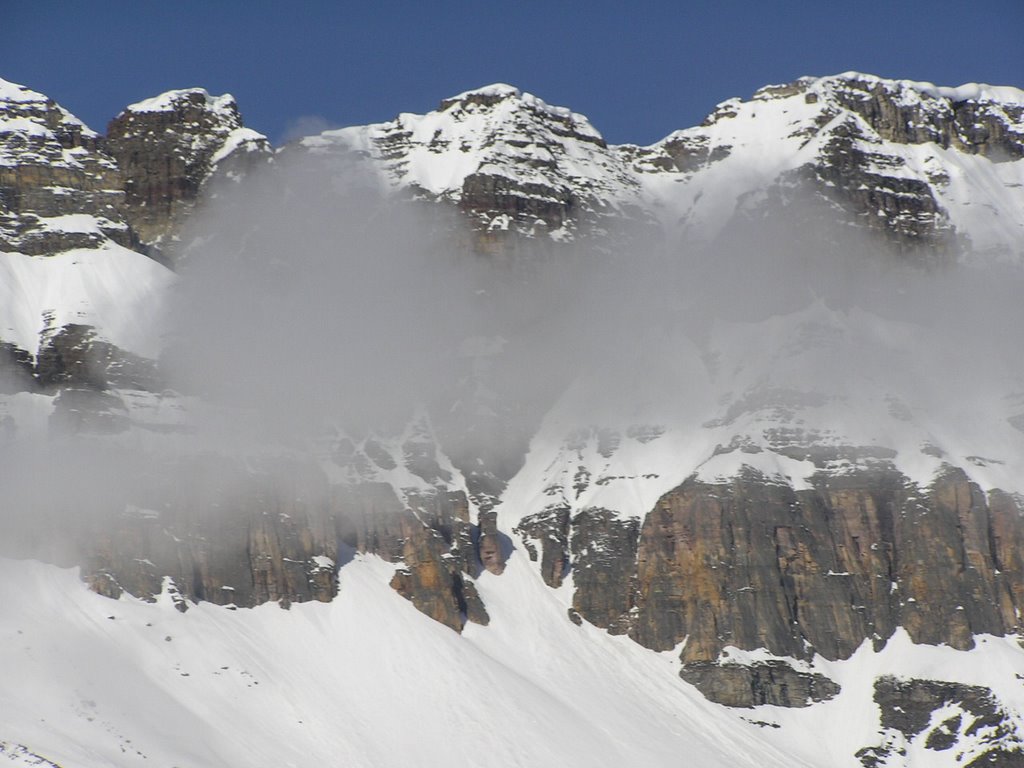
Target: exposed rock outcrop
[(59, 188), (431, 540), (549, 529), (974, 726), (17, 372), (775, 683), (530, 167), (73, 356), (217, 533), (755, 564), (604, 557), (971, 119), (168, 146)]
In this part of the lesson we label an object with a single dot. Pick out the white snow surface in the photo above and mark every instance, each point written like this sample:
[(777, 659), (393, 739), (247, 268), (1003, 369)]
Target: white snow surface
[(118, 291), (14, 92), (1002, 94), (324, 683), (368, 681), (17, 97), (244, 139), (168, 101)]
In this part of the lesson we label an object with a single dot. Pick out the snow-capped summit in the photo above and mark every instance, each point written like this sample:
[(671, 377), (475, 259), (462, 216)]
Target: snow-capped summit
[(940, 167), (172, 100), (80, 213), (486, 94), (66, 257), (507, 158), (931, 166), (16, 97), (1004, 95), (63, 185), (201, 133)]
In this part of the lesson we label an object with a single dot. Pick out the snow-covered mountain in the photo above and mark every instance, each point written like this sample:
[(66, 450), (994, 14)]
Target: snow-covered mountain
[(907, 157), (746, 432)]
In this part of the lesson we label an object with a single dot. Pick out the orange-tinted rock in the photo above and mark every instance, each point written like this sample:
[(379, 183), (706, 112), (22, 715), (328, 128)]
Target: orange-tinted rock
[(756, 565)]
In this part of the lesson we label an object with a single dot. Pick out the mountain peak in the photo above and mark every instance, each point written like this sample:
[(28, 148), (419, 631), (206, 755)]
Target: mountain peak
[(18, 93), (171, 101), (981, 93), (22, 104), (486, 95), (507, 157), (483, 99)]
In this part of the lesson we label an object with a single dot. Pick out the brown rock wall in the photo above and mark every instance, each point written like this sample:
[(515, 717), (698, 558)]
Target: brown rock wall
[(755, 565), (166, 155), (604, 551), (225, 537)]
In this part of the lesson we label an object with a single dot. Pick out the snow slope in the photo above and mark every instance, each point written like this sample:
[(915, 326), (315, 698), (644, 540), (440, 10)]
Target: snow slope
[(112, 288), (128, 683), (369, 681)]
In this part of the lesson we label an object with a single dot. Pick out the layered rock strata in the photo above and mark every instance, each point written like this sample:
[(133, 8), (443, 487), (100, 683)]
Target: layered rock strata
[(59, 188), (168, 146), (755, 564), (216, 533)]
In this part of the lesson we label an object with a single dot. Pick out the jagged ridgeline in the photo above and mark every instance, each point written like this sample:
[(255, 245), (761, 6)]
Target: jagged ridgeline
[(751, 394)]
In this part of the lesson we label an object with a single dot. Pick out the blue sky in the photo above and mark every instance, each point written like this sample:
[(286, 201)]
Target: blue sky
[(638, 70)]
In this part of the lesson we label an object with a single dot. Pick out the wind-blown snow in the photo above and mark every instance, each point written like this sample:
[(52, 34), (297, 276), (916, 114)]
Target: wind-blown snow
[(14, 92), (169, 101), (1002, 94), (27, 107)]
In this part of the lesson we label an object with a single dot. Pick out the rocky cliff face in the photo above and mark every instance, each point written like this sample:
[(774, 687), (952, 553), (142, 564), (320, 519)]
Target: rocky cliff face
[(965, 720), (754, 564), (65, 189), (821, 571), (212, 529), (168, 146), (65, 186), (511, 162), (77, 210), (59, 188), (217, 535)]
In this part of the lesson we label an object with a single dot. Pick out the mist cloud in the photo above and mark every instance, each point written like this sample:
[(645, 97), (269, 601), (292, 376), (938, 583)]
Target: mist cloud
[(311, 301)]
